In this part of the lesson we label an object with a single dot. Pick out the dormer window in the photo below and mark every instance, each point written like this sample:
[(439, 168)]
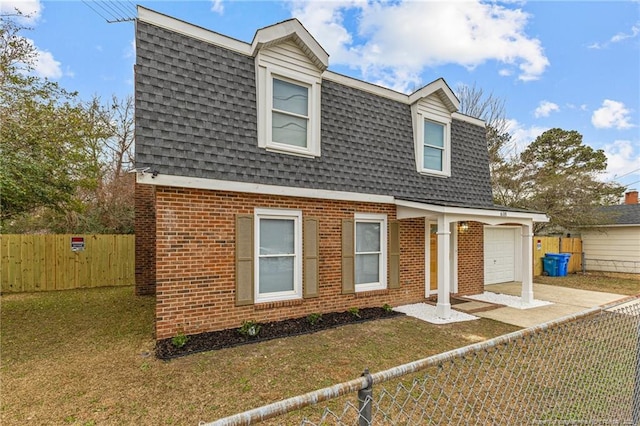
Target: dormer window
[(289, 65), (290, 113), (433, 144), (431, 113), (433, 154)]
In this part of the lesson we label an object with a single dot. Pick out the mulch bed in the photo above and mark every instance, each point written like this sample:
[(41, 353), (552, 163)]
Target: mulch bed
[(214, 340)]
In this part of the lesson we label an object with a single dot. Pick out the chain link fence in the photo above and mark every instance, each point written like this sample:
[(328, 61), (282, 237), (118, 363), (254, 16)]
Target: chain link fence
[(581, 369)]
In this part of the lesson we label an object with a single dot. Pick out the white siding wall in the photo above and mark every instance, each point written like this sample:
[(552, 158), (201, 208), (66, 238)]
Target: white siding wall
[(288, 55), (612, 249), (432, 105)]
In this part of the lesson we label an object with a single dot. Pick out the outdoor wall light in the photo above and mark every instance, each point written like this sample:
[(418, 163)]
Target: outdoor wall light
[(463, 226)]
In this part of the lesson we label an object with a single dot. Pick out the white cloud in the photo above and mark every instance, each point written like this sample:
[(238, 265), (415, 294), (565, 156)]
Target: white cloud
[(521, 136), (44, 64), (619, 37), (545, 108), (635, 30), (32, 9), (391, 43), (623, 160), (47, 66), (217, 6), (130, 50), (611, 114)]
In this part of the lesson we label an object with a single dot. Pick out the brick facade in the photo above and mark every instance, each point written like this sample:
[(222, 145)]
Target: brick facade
[(195, 266), (471, 259), (145, 229)]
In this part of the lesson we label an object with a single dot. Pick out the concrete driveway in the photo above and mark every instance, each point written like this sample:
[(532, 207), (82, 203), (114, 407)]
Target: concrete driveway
[(566, 301)]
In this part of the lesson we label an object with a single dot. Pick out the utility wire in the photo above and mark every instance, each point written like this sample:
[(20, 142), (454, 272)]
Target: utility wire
[(626, 174), (113, 11)]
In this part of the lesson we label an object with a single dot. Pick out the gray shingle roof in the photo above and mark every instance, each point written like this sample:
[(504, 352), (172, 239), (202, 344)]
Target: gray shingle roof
[(196, 117), (624, 214)]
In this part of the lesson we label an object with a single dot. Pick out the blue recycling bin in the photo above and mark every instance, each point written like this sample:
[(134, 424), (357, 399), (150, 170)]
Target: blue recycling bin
[(550, 266), (562, 261)]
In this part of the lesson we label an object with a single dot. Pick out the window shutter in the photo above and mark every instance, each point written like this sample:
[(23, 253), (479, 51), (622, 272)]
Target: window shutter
[(244, 260), (348, 257), (394, 254), (311, 257)]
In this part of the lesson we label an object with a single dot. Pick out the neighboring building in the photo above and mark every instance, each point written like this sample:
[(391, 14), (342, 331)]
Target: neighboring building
[(269, 187), (615, 246)]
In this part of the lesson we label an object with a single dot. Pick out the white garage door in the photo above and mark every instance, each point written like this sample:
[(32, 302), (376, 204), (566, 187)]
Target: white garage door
[(499, 255)]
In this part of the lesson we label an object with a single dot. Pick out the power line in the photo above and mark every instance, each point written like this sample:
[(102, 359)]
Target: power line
[(113, 11), (626, 174)]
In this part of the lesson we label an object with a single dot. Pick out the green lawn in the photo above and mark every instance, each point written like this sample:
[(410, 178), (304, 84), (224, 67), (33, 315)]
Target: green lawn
[(85, 357), (628, 284)]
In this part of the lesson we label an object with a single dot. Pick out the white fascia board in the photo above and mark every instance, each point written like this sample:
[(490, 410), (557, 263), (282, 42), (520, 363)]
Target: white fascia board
[(291, 29), (468, 119), (366, 87), (158, 19), (464, 213), (443, 90), (256, 188)]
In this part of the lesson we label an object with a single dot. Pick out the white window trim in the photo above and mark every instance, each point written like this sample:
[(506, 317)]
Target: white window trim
[(419, 144), (296, 216), (382, 220), (264, 82)]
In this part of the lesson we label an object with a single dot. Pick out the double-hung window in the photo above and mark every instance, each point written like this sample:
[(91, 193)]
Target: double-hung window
[(433, 146), (290, 113), (370, 252), (278, 255)]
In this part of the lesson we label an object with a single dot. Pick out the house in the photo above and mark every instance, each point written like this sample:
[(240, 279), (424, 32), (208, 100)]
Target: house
[(615, 246), (269, 187)]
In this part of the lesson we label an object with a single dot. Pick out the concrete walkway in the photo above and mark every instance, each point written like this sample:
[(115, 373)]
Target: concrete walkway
[(566, 301)]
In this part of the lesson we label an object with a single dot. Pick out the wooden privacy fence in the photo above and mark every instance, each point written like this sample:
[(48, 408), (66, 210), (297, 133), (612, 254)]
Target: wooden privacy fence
[(59, 262), (542, 245), (47, 262)]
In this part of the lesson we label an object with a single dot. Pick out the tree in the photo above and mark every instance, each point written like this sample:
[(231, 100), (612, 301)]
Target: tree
[(500, 147), (62, 161), (42, 133), (558, 175)]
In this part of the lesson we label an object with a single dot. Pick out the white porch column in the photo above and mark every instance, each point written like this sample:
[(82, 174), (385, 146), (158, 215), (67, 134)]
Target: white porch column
[(443, 307), (527, 263)]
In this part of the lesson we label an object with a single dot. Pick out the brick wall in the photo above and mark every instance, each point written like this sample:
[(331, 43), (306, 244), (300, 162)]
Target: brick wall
[(471, 259), (195, 245), (145, 229)]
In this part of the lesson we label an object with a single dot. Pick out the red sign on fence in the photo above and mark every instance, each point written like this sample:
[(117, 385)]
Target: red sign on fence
[(77, 243)]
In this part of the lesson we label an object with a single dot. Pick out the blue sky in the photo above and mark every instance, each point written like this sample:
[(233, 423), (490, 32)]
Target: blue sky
[(573, 65)]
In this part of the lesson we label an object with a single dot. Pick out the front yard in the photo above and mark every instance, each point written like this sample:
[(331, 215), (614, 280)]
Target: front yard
[(85, 357)]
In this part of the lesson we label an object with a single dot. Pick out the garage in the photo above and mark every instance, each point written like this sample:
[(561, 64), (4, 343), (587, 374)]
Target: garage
[(500, 261)]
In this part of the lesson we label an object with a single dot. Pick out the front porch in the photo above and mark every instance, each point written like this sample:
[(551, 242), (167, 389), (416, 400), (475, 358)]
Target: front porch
[(447, 257)]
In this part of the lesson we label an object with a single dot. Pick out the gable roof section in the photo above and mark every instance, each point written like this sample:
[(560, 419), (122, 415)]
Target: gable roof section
[(623, 214), (196, 117), (442, 90), (292, 30)]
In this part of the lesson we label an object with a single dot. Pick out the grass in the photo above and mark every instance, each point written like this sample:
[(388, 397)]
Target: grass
[(628, 284), (85, 357)]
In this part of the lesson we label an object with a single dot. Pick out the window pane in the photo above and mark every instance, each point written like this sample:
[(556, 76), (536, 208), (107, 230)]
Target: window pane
[(432, 158), (276, 274), (367, 268), (290, 97), (367, 237), (276, 236), (433, 134), (289, 130)]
